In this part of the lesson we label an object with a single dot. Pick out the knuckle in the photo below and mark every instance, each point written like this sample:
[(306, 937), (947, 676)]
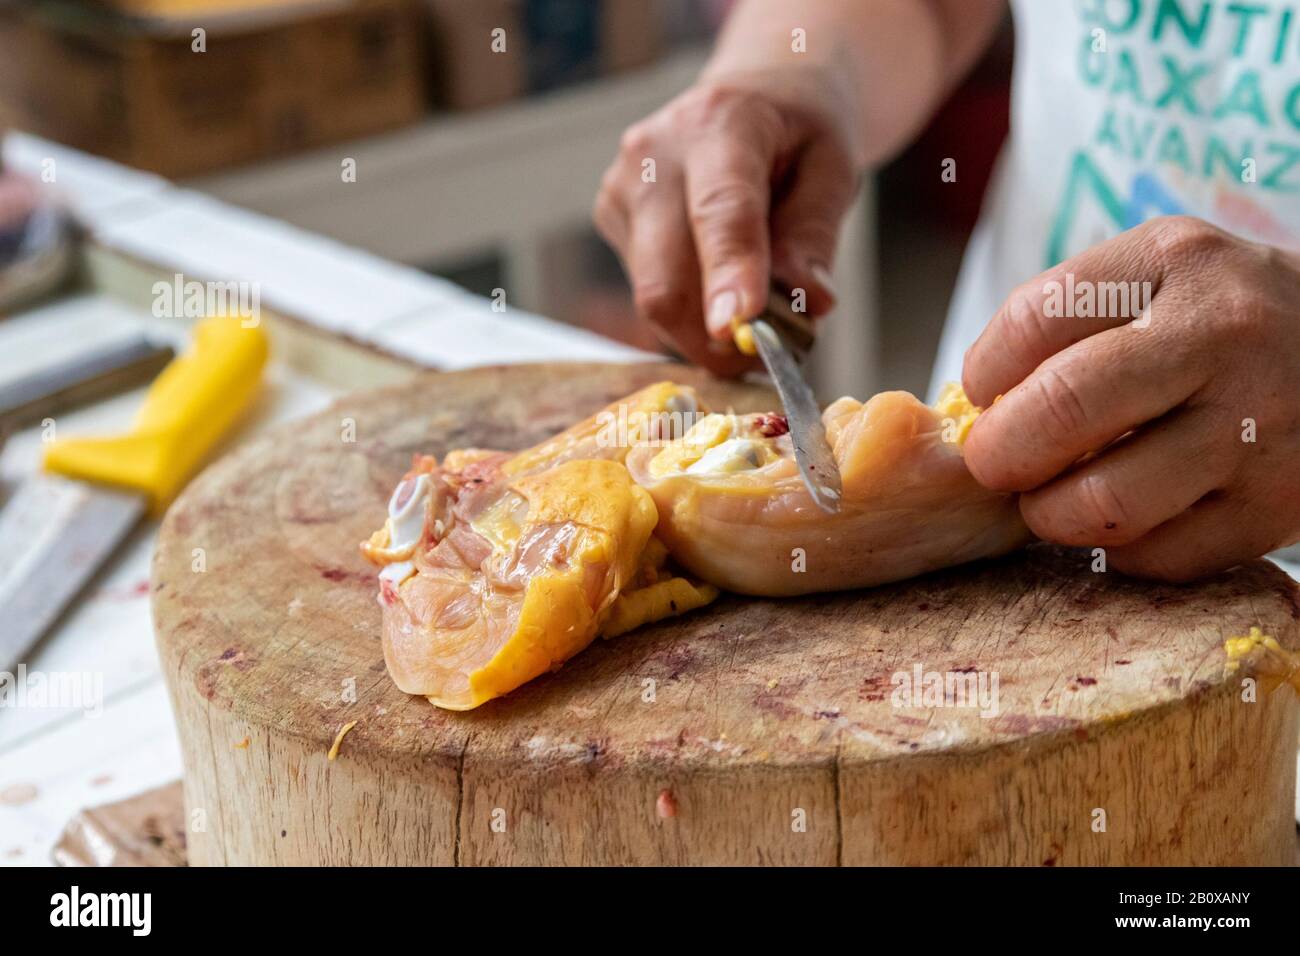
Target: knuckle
[(808, 243), (1246, 321), (1101, 512), (1086, 511), (1022, 321), (1243, 322), (731, 200), (611, 183), (637, 140), (705, 102), (606, 214), (716, 108), (1064, 410), (1180, 237), (602, 207), (1281, 266), (658, 301), (726, 219), (817, 230)]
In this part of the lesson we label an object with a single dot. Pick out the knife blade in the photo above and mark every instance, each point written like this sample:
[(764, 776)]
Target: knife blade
[(54, 534), (79, 380), (812, 450), (59, 528)]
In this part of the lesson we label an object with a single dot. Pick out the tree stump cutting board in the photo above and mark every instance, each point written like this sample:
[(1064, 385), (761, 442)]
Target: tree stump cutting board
[(750, 732)]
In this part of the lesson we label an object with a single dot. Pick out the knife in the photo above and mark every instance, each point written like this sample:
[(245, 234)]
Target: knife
[(59, 527), (782, 338), (84, 378)]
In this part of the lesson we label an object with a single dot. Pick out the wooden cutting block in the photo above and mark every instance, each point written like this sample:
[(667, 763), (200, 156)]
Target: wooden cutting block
[(751, 732)]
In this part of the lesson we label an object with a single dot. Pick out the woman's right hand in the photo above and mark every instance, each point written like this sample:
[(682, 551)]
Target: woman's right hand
[(740, 181)]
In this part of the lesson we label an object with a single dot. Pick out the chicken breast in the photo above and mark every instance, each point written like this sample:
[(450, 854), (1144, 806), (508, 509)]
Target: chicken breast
[(733, 510)]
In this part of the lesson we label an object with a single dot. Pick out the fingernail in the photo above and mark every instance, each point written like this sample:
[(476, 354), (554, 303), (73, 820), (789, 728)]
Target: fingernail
[(823, 277), (722, 309)]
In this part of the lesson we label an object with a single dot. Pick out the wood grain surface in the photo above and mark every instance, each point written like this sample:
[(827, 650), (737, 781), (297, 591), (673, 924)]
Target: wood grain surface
[(751, 732)]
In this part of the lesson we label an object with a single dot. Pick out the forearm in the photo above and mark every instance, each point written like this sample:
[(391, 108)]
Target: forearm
[(893, 60)]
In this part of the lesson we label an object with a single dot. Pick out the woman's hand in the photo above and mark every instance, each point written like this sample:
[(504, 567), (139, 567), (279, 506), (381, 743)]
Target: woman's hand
[(741, 180), (1194, 409)]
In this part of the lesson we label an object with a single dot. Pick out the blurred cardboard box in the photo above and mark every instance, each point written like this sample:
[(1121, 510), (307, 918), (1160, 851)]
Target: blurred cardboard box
[(266, 81), (171, 8), (489, 51), (203, 8)]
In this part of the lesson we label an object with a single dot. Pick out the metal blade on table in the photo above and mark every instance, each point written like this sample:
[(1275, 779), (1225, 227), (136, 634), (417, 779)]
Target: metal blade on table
[(812, 450), (55, 533), (85, 376)]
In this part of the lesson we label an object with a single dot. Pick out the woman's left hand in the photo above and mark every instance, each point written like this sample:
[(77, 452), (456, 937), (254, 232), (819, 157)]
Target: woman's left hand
[(1193, 409)]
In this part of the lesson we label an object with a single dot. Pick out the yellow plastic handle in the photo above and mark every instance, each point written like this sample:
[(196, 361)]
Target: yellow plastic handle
[(192, 403)]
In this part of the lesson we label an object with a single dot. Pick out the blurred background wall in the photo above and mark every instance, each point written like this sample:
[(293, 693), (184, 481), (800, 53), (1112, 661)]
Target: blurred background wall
[(414, 129)]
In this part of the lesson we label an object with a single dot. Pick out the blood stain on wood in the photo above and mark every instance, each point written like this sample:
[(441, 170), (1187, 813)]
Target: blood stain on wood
[(237, 658), (339, 575)]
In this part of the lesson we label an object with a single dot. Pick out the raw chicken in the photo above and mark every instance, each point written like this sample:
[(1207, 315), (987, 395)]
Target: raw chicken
[(733, 511), (499, 567)]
